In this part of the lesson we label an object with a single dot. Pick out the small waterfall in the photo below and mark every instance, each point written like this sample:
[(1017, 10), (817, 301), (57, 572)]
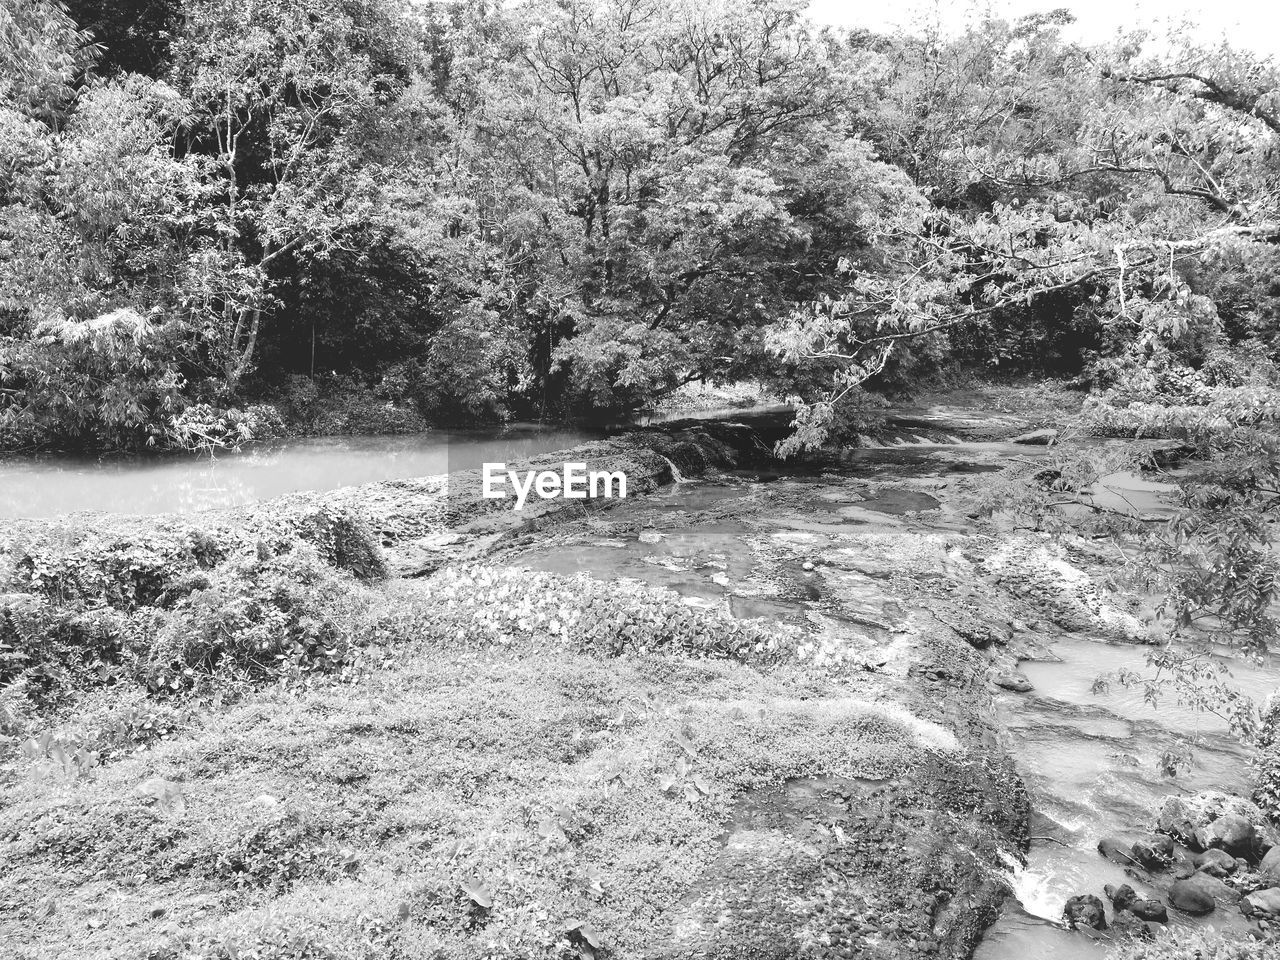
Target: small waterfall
[(1037, 892), (676, 476)]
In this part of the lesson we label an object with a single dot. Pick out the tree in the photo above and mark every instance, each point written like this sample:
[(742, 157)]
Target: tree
[(285, 96), (656, 180)]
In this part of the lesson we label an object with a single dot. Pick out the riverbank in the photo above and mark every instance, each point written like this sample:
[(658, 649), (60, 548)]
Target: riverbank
[(753, 713)]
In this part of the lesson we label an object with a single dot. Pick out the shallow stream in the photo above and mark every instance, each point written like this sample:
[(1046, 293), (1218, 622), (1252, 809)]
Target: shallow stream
[(1089, 754)]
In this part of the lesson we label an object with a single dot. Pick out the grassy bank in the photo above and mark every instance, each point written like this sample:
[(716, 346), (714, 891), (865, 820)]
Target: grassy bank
[(234, 737)]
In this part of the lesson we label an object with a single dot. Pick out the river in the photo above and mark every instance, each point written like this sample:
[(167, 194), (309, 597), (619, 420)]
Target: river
[(51, 485)]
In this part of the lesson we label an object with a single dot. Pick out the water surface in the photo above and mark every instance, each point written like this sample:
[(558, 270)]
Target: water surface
[(51, 485)]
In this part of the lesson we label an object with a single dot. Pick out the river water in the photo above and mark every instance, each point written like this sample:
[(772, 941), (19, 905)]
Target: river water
[(54, 485), (1089, 755)]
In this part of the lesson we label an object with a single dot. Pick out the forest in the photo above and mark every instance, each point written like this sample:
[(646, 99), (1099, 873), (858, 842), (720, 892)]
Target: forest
[(566, 210), (990, 610)]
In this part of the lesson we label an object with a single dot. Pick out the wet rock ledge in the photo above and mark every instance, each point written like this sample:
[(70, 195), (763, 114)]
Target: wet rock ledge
[(398, 528)]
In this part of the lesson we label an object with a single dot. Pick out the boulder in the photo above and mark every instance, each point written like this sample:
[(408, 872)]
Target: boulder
[(1037, 438), (1150, 910), (1231, 832), (1198, 894), (1155, 853), (1186, 896), (1270, 866), (1216, 863), (1124, 898), (1121, 896), (1262, 904), (1085, 910), (1187, 819), (1013, 680)]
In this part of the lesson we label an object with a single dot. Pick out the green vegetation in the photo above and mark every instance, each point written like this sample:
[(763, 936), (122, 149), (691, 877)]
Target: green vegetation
[(267, 756), (473, 210), (224, 220)]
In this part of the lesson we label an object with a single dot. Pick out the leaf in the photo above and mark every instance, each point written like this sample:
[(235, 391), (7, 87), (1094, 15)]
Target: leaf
[(477, 892), (588, 933)]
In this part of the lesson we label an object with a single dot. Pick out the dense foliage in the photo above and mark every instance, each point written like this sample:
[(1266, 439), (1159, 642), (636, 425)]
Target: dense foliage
[(470, 209)]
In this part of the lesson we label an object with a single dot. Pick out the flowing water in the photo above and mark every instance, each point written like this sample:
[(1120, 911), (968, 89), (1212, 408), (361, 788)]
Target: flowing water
[(1089, 757), (55, 485), (1089, 752)]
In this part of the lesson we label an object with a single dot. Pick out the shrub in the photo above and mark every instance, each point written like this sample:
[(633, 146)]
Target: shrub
[(207, 428), (332, 405), (1180, 944), (1266, 762), (54, 648), (254, 620)]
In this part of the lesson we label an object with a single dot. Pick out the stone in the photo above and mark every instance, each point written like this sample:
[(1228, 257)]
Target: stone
[(1013, 680), (1037, 438), (1216, 863), (1262, 904), (1085, 910), (1270, 865), (1121, 896), (1198, 894), (1117, 850), (1157, 853), (1231, 832), (1150, 910), (1186, 896), (1184, 817), (1126, 926)]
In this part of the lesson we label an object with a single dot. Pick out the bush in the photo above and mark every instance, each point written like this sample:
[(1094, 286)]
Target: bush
[(1180, 944), (206, 428), (110, 382), (247, 620), (344, 405), (1266, 762), (283, 616)]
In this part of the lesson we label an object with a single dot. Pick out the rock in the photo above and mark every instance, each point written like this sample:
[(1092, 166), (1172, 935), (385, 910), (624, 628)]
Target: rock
[(1013, 680), (1125, 899), (1126, 926), (1270, 865), (1182, 817), (1198, 894), (1154, 854), (1151, 910), (1184, 895), (1121, 896), (1216, 863), (1262, 904), (807, 565), (1085, 910), (1117, 850), (1231, 832), (1037, 438)]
